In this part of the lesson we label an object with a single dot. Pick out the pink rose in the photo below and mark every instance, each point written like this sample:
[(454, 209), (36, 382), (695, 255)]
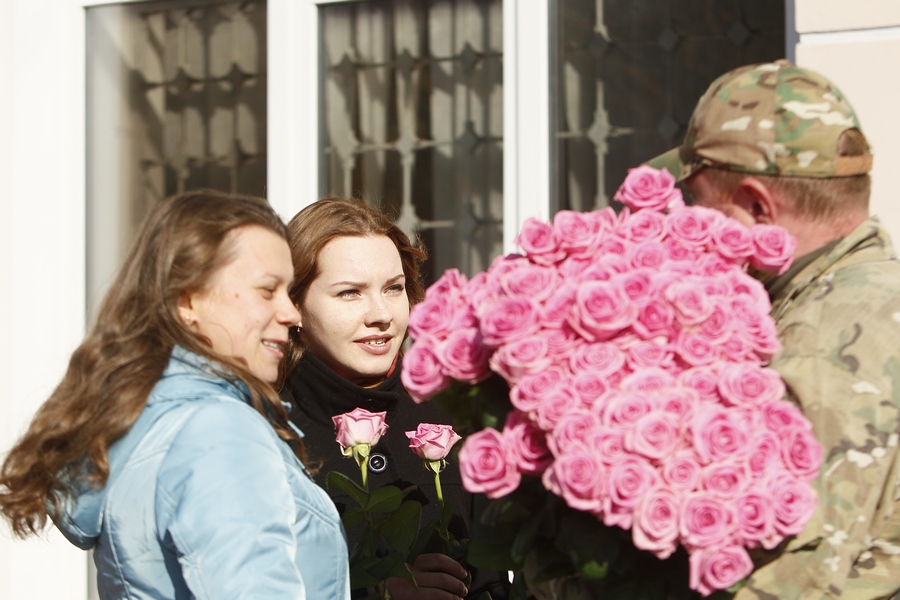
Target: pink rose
[(485, 465), (580, 478), (629, 480), (526, 395), (611, 266), (692, 225), (432, 442), (780, 415), (644, 226), (555, 310), (764, 452), (522, 357), (794, 502), (509, 319), (655, 526), (801, 453), (677, 250), (703, 380), (681, 471), (608, 443), (600, 358), (540, 243), (655, 435), (359, 427), (773, 248), (649, 255), (572, 429), (623, 409), (648, 379), (562, 342), (696, 349), (755, 518), (747, 384), (718, 327), (431, 317), (531, 280), (737, 349), (526, 443), (718, 434), (589, 386), (636, 283), (726, 478), (655, 317), (650, 354), (646, 187), (577, 232), (448, 287), (718, 568), (422, 374), (679, 401), (555, 403), (706, 520), (692, 305), (464, 357), (732, 240)]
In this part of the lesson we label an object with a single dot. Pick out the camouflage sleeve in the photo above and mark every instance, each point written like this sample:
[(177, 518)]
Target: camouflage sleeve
[(848, 393)]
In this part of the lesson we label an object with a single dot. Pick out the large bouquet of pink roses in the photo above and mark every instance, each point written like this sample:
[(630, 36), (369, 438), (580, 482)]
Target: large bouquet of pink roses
[(619, 364)]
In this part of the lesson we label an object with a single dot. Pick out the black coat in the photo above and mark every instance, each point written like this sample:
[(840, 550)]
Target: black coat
[(316, 394)]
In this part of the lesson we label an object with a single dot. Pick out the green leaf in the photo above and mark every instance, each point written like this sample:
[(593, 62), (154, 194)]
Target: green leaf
[(353, 517), (524, 540), (401, 529), (490, 555), (339, 481), (392, 565), (385, 499), (360, 578)]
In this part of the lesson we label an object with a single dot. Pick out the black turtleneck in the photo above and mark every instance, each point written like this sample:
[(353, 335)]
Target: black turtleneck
[(316, 394)]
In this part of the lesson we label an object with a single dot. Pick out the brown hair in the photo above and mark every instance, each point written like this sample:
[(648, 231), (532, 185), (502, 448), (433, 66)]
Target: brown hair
[(817, 198), (182, 244), (329, 218)]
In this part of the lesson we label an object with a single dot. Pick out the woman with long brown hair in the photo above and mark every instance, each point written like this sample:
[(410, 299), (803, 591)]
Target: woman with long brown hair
[(356, 275), (165, 447)]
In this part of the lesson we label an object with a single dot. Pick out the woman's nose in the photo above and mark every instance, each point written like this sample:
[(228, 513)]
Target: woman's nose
[(378, 311), (288, 313)]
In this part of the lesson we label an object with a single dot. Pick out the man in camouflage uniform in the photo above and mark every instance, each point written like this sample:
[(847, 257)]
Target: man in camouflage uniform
[(774, 143)]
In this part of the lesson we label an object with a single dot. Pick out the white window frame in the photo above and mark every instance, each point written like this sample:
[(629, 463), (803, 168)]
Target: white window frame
[(293, 75)]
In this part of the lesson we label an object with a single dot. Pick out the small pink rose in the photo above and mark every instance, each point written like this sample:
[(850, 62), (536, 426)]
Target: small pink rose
[(680, 401), (718, 327), (608, 443), (655, 435), (540, 242), (448, 287), (718, 434), (422, 373), (703, 380), (748, 384), (432, 442), (733, 240), (718, 568), (509, 319), (773, 248), (433, 316), (555, 309), (647, 255), (555, 403), (780, 415), (358, 427), (651, 353), (695, 349), (755, 518), (637, 283), (464, 357), (589, 386), (518, 358), (646, 187), (578, 232), (794, 502), (580, 478), (681, 471), (655, 317), (572, 429), (655, 527), (535, 281), (801, 453), (527, 394), (601, 357), (692, 305), (526, 443), (764, 452), (648, 379), (562, 343), (486, 466), (706, 520), (629, 480), (644, 226), (725, 478), (624, 409)]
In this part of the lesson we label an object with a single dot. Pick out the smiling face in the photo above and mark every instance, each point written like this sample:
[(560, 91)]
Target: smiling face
[(355, 312), (245, 311)]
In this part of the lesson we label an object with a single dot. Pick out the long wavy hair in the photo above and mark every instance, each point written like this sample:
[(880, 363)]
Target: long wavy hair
[(333, 217), (182, 244)]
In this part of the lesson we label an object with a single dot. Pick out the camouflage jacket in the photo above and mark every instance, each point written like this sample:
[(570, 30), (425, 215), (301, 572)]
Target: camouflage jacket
[(838, 321)]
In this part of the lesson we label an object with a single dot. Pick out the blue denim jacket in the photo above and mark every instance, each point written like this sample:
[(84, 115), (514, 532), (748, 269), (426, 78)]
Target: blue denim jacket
[(205, 501)]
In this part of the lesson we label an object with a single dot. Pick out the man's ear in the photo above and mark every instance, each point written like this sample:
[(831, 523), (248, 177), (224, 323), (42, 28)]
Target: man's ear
[(754, 198)]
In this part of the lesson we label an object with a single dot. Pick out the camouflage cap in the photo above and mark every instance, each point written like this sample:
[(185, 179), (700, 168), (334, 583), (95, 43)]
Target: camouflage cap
[(771, 119)]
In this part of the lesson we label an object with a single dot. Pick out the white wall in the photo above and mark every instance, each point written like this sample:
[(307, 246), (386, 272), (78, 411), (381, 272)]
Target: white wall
[(856, 44), (41, 252)]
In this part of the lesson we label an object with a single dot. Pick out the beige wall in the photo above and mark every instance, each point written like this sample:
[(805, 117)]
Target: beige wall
[(856, 44)]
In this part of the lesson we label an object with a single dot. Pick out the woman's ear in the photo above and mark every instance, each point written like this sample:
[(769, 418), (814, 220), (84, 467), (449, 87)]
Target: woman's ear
[(185, 308), (754, 198)]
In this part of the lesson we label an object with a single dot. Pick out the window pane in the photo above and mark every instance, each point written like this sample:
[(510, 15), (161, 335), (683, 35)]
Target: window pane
[(413, 120), (627, 74), (176, 101)]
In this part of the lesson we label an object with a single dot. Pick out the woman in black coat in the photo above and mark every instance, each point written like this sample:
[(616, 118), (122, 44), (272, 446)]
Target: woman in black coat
[(356, 275)]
